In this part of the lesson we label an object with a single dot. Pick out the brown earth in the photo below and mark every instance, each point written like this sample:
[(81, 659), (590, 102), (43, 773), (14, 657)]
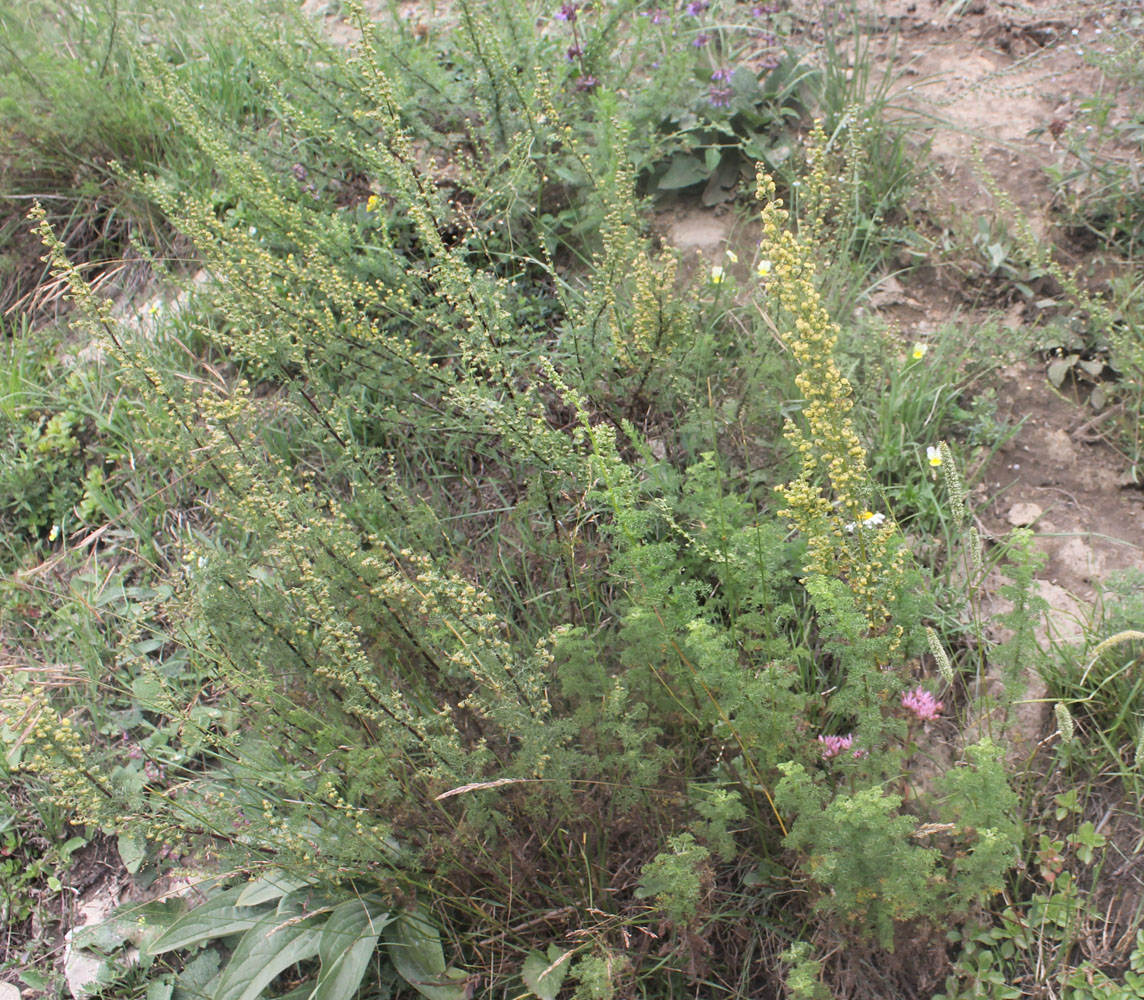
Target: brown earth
[(1006, 82)]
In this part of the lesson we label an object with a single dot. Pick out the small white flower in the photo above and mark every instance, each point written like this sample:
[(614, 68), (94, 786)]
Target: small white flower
[(716, 275), (731, 256), (868, 519), (934, 455), (763, 268), (919, 351)]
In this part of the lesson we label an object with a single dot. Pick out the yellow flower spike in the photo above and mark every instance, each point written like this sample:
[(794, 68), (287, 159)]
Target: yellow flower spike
[(826, 502)]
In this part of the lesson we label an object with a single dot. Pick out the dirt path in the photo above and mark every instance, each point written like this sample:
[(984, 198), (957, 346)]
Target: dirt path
[(1006, 82)]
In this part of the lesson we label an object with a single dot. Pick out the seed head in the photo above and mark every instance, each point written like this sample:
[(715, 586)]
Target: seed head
[(1064, 722)]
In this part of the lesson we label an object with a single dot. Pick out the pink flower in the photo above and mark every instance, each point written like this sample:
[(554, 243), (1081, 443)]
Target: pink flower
[(923, 704), (832, 746)]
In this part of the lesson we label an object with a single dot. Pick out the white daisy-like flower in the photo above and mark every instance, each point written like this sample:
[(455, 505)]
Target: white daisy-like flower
[(868, 519)]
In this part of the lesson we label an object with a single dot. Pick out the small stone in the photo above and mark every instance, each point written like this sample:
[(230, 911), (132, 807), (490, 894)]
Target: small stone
[(9, 992), (85, 973), (1023, 514)]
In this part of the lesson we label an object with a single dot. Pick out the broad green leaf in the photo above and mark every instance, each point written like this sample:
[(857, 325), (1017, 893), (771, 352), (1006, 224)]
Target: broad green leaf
[(414, 946), (104, 936), (307, 902), (192, 981), (217, 917), (264, 952), (132, 852), (1060, 368), (348, 942), (544, 976), (719, 186), (268, 888), (683, 172), (349, 921), (298, 993), (72, 846)]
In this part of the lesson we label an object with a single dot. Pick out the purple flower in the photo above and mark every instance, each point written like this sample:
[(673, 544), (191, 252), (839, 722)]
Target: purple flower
[(923, 704), (769, 62), (766, 38), (722, 75), (567, 12), (657, 15), (697, 7), (587, 83), (720, 97), (765, 8), (833, 746), (574, 52), (701, 39)]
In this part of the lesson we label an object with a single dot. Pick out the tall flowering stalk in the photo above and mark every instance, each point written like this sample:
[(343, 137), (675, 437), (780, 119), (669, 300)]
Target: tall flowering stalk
[(832, 487)]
